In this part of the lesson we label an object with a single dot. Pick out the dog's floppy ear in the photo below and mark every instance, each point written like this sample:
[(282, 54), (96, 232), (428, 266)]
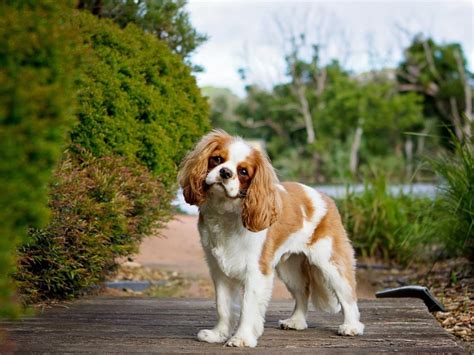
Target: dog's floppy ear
[(262, 203), (194, 168)]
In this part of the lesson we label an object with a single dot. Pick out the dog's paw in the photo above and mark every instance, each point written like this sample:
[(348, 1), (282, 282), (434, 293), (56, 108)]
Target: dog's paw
[(351, 329), (241, 341), (293, 324), (211, 336)]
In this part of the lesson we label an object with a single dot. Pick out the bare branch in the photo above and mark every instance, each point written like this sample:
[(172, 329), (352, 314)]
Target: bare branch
[(268, 122), (430, 60), (467, 94), (456, 118), (354, 160), (321, 81)]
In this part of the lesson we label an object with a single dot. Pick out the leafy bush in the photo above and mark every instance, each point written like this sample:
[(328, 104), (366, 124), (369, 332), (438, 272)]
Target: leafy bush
[(101, 209), (139, 111), (454, 214), (136, 98), (37, 72), (385, 226)]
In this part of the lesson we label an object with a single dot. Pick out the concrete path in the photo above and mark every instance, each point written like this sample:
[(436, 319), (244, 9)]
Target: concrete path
[(123, 325)]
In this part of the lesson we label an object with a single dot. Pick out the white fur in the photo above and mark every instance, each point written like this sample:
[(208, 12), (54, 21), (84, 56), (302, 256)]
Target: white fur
[(289, 270), (320, 256), (233, 255)]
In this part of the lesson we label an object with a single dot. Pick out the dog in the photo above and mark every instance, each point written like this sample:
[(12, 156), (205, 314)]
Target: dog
[(251, 225)]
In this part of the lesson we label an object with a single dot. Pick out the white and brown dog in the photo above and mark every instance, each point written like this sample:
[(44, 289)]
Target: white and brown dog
[(251, 225)]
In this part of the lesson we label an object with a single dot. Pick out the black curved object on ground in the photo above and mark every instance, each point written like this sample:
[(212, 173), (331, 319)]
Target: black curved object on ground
[(413, 291)]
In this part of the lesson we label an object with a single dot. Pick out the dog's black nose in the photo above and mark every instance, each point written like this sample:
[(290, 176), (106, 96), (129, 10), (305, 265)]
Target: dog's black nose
[(225, 173)]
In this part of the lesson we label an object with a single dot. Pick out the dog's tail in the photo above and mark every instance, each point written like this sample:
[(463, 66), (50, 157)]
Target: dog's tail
[(322, 296)]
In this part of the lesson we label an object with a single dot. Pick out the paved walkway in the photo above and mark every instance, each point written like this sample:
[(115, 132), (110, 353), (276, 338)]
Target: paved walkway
[(123, 325)]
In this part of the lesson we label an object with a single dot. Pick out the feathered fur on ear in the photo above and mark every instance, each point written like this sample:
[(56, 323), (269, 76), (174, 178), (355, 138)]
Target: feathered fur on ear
[(262, 204), (193, 169)]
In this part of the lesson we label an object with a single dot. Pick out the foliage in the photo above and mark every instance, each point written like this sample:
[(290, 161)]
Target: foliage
[(375, 106), (439, 72), (346, 104), (398, 228), (101, 209), (37, 73), (223, 104), (454, 215), (166, 19), (387, 226), (136, 99), (325, 124)]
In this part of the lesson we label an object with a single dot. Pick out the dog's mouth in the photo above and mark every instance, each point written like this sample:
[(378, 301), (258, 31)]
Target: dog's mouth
[(241, 193)]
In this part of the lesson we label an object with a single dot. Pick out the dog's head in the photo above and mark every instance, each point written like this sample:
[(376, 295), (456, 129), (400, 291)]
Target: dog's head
[(227, 165)]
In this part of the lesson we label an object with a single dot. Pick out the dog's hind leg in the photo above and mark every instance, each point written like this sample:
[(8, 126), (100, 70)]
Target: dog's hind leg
[(322, 295), (293, 271), (338, 277)]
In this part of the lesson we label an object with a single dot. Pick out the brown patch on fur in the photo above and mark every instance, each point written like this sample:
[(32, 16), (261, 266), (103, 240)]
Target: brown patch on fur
[(261, 206), (249, 164), (290, 221), (342, 251), (194, 168), (221, 152)]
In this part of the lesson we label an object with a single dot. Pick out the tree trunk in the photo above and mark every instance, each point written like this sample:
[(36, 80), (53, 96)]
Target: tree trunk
[(354, 160), (409, 157), (420, 145), (456, 118), (467, 96), (306, 113)]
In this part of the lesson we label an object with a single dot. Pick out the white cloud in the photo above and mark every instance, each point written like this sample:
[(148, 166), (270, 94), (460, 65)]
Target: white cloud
[(243, 33)]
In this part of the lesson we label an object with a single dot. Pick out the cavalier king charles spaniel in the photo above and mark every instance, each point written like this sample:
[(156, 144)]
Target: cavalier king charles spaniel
[(251, 225)]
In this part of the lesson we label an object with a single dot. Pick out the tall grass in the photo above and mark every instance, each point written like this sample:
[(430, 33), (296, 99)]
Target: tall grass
[(403, 228), (386, 226), (454, 213)]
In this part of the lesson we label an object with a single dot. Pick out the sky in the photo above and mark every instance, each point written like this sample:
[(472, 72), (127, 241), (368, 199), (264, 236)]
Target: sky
[(362, 35)]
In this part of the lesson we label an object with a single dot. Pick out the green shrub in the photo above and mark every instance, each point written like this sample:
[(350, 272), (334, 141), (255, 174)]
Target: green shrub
[(136, 98), (37, 72), (101, 209), (454, 213), (388, 227), (139, 111)]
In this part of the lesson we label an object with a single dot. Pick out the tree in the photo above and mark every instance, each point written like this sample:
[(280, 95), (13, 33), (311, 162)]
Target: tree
[(167, 19), (356, 120), (223, 103), (439, 73)]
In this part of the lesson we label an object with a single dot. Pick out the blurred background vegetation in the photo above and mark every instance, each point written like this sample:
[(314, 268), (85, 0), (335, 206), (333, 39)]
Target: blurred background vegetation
[(98, 105), (381, 131), (339, 124)]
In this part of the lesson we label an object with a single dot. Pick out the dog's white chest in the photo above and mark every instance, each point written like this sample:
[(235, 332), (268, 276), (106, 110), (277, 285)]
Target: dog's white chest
[(235, 249), (232, 263)]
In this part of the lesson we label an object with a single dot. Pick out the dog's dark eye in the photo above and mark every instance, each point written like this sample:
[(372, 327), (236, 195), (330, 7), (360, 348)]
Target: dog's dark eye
[(217, 160), (243, 172)]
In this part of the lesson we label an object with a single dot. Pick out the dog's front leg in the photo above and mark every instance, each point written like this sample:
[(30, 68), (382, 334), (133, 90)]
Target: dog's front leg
[(226, 291), (256, 295)]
